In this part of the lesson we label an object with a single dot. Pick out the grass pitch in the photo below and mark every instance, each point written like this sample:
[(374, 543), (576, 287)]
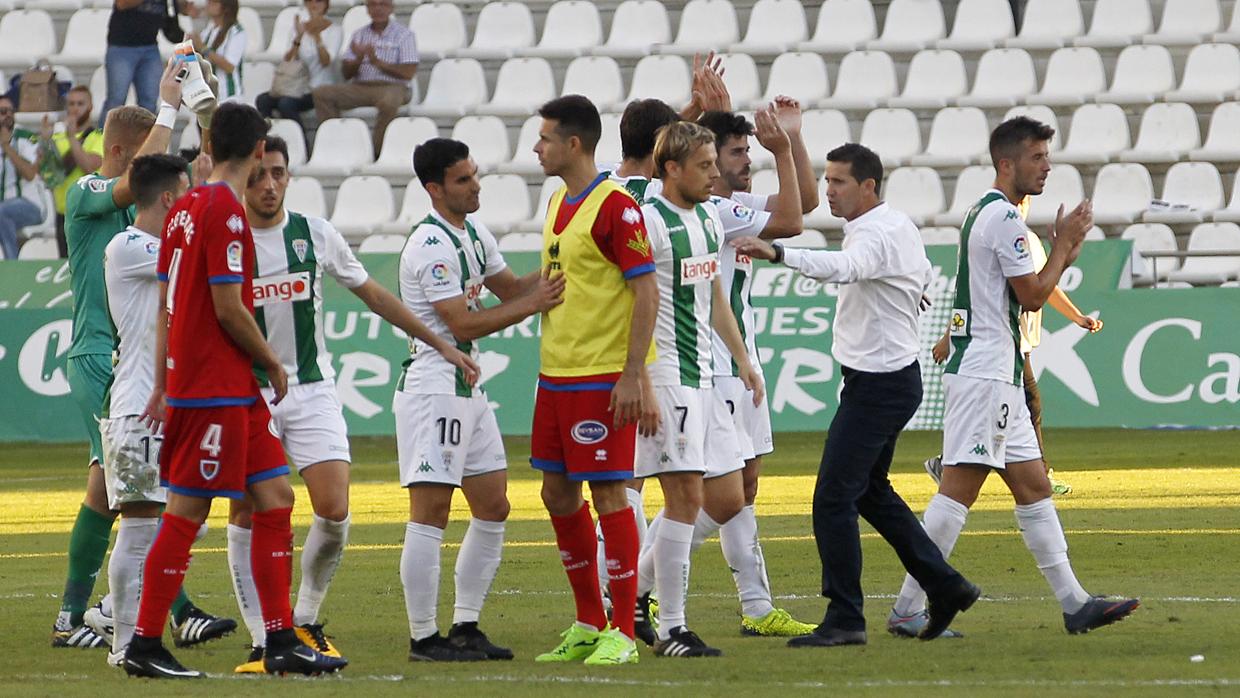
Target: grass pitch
[(1152, 514)]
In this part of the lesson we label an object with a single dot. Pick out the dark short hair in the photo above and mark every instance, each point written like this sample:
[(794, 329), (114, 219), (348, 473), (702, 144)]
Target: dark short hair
[(575, 115), (152, 175), (1010, 135), (5, 97), (640, 124), (235, 131), (863, 163), (276, 144), (725, 125), (433, 158)]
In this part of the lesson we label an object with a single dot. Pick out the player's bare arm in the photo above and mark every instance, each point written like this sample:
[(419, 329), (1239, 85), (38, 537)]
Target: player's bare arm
[(629, 402), (1066, 236), (157, 406), (467, 325), (788, 113), (707, 87), (387, 306), (159, 137), (1061, 302), (785, 205), (239, 323), (724, 324), (506, 285)]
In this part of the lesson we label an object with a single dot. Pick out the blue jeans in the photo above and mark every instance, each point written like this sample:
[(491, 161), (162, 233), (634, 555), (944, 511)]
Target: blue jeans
[(140, 66), (15, 214)]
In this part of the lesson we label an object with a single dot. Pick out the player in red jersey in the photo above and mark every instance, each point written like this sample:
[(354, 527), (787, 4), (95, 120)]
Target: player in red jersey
[(216, 437)]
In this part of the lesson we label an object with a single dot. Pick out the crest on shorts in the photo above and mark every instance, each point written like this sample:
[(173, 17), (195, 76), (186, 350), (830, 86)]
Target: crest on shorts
[(208, 468), (589, 431), (299, 248)]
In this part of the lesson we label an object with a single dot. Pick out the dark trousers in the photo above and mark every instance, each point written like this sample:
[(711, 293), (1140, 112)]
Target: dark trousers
[(288, 107), (852, 480)]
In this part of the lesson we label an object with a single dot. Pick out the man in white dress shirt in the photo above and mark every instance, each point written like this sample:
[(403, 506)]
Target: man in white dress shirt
[(883, 271)]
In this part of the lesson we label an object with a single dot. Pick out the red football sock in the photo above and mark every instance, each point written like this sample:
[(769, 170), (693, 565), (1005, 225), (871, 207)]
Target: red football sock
[(574, 534), (620, 542), (271, 559), (163, 573)]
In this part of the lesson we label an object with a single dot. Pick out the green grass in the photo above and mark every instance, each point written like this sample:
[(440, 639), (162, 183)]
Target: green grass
[(1153, 514)]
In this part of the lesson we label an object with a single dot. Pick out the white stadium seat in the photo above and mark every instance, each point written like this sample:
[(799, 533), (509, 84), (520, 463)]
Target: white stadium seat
[(1049, 24), (705, 25), (936, 78), (58, 6), (535, 223), (1118, 23), (940, 235), (487, 138), (865, 79), (1122, 192), (39, 248), (572, 28), (1074, 76), (1142, 74), (1223, 139), (256, 78), (1231, 214), (958, 137), (505, 202), (521, 242), (596, 77), (774, 27), (281, 37), (305, 195), (1150, 237), (1194, 184), (403, 134), (609, 150), (415, 204), (457, 85), (980, 25), (1005, 76), (363, 203), (1098, 134), (800, 75), (661, 77), (26, 35), (292, 134), (741, 78), (1211, 75), (1167, 133), (1187, 23), (383, 242), (523, 85), (99, 92), (1232, 34), (636, 26), (822, 130), (1042, 114), (1063, 186), (842, 26), (341, 147), (911, 25), (440, 29), (821, 218), (971, 183), (1209, 237), (916, 191), (764, 183), (249, 20), (893, 134), (502, 28), (807, 238), (85, 38)]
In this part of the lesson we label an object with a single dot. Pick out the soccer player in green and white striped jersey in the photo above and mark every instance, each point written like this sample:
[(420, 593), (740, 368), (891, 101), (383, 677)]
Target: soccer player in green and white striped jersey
[(293, 253), (695, 453)]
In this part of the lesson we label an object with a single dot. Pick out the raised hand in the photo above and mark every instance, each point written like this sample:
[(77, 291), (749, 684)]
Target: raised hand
[(788, 114), (170, 83), (769, 133)]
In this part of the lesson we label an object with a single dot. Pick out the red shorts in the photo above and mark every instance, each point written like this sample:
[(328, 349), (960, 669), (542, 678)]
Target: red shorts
[(219, 451), (573, 431)]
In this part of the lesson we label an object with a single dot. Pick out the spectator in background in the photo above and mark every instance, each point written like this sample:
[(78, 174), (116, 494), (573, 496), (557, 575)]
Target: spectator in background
[(223, 45), (316, 41), (21, 193), (133, 56), (378, 64), (67, 153)]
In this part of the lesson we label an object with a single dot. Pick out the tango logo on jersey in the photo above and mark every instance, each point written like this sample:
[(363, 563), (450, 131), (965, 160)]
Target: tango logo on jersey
[(589, 431), (235, 224), (743, 261), (234, 253), (300, 247), (631, 216), (284, 288), (208, 468), (699, 270), (1021, 245), (959, 322)]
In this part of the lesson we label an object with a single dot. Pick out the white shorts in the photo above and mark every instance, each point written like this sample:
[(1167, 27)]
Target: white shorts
[(309, 422), (130, 462), (443, 439), (753, 424), (986, 422), (696, 435)]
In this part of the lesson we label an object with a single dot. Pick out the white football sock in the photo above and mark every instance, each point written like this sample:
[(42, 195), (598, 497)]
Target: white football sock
[(133, 541), (944, 520), (639, 514), (105, 604), (319, 560), (1043, 534), (671, 562), (743, 552), (243, 584), (476, 565), (645, 557), (704, 527), (419, 575)]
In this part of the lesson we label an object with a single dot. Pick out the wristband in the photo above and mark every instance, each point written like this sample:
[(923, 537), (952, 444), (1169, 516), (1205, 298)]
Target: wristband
[(779, 253), (167, 116)]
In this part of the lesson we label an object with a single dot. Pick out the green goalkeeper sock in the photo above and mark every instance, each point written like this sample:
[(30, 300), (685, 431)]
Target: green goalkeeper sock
[(181, 606), (88, 543)]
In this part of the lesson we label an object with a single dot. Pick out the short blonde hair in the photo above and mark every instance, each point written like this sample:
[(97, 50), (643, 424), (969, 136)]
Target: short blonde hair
[(127, 125), (676, 142)]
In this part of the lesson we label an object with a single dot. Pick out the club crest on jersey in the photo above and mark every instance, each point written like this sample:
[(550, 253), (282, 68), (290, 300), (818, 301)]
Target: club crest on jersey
[(300, 247), (639, 244), (208, 468), (98, 186), (699, 270), (283, 288), (233, 253), (589, 431), (235, 224), (960, 322)]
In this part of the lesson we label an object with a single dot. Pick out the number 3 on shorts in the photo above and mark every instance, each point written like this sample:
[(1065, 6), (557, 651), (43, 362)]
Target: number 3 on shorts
[(211, 440)]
